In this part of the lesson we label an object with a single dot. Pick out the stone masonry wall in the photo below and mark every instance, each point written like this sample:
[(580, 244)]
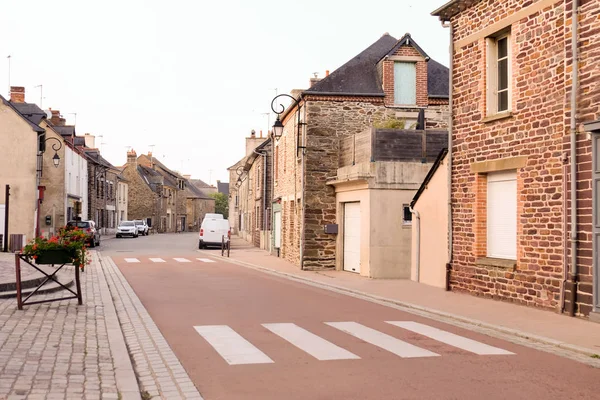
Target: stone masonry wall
[(142, 201), (537, 129)]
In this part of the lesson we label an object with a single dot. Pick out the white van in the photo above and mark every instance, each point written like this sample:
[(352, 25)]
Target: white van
[(212, 215), (212, 231)]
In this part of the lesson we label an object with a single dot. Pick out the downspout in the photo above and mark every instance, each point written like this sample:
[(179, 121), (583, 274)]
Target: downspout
[(447, 24), (302, 184), (264, 194), (418, 246), (573, 276)]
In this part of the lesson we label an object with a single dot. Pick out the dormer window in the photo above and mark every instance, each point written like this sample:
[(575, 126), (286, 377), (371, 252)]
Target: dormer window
[(405, 83)]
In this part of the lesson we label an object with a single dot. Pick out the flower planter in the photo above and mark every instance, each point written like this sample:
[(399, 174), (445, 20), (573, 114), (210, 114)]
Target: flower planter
[(54, 257)]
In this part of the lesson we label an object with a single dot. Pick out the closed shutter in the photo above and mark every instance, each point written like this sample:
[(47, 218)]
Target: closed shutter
[(405, 83), (502, 215), (352, 237)]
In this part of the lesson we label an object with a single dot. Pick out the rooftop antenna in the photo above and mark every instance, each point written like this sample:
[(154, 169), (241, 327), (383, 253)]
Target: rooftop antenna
[(75, 114), (98, 137), (41, 93), (151, 151), (8, 76), (210, 176)]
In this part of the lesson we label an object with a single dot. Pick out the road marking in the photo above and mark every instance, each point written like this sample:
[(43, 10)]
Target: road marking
[(132, 260), (158, 260), (380, 339), (231, 346), (207, 260), (184, 260), (450, 338), (314, 345)]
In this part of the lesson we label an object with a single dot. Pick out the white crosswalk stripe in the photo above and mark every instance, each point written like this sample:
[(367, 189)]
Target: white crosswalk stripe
[(132, 260), (382, 340), (231, 346), (182, 260), (157, 260), (314, 345), (450, 338), (206, 260)]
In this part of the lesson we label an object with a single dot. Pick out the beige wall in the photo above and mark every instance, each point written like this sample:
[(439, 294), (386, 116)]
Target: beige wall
[(390, 239), (54, 180), (354, 192), (18, 161), (433, 210)]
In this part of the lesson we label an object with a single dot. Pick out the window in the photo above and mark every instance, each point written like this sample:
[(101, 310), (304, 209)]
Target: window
[(498, 76), (405, 82), (406, 215), (502, 215)]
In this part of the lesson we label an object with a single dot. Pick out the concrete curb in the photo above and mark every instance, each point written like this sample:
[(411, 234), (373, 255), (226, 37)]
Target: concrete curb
[(126, 381), (442, 316)]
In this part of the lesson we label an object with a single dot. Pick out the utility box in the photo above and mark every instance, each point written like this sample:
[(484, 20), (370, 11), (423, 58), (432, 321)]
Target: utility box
[(48, 220), (331, 228)]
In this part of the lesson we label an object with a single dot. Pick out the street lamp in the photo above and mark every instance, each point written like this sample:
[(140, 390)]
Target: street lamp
[(56, 158), (278, 125)]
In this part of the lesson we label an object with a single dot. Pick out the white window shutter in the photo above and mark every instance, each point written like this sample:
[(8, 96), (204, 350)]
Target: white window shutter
[(502, 215)]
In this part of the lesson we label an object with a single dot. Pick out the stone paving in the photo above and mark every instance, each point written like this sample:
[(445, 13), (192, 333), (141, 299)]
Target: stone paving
[(61, 350)]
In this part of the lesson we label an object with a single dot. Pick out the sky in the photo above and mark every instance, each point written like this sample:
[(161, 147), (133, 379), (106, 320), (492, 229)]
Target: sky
[(189, 80)]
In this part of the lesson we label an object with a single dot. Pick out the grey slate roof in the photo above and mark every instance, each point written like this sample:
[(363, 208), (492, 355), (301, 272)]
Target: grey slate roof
[(31, 111), (67, 130), (33, 126), (199, 183), (223, 187), (359, 76), (194, 192)]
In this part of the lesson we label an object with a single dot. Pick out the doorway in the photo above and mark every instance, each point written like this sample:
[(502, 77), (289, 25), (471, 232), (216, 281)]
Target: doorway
[(352, 237)]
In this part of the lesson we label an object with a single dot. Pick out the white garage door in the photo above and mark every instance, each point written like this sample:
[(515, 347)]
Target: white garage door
[(352, 237), (502, 215)]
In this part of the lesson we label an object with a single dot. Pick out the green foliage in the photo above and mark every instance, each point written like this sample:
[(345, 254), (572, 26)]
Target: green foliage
[(390, 123), (221, 204), (70, 239)]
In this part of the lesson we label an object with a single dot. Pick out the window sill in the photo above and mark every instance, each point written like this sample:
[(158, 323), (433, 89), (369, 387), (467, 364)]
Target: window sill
[(497, 117), (496, 262)]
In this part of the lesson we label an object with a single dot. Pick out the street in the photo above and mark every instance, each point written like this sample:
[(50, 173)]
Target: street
[(244, 334)]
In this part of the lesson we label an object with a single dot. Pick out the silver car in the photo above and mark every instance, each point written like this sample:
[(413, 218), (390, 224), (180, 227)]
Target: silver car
[(127, 228)]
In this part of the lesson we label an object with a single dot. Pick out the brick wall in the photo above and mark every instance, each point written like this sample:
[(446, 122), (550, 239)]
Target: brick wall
[(388, 76), (539, 130)]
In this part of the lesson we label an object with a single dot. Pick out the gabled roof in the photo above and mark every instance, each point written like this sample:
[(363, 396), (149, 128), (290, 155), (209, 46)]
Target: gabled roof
[(434, 167), (360, 77), (66, 130), (406, 40), (94, 156), (31, 111), (194, 192), (199, 183), (33, 126)]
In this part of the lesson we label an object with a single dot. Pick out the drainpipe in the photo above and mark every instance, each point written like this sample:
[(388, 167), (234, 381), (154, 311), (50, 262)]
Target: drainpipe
[(264, 194), (447, 24), (573, 275), (302, 188), (418, 246)]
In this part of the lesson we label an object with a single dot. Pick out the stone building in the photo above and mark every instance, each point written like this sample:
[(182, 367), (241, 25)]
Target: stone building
[(386, 85), (524, 171), (103, 178), (198, 204)]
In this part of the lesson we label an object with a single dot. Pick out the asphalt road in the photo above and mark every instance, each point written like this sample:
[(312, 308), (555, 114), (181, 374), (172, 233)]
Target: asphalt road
[(243, 334)]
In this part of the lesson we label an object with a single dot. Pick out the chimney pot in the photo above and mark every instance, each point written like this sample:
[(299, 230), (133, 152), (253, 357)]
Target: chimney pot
[(252, 133), (326, 72), (261, 133), (131, 157), (17, 94)]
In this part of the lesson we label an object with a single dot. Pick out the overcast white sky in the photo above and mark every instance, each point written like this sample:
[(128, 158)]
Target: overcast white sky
[(190, 77)]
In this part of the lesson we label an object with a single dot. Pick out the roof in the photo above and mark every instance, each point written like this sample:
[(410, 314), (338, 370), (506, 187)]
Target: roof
[(33, 126), (31, 111), (223, 187), (79, 141), (95, 157), (452, 8), (434, 167), (163, 167), (199, 183), (67, 130), (195, 192), (360, 77)]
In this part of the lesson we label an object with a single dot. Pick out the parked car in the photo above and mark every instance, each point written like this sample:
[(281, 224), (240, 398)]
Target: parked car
[(141, 226), (127, 228), (89, 228), (212, 231)]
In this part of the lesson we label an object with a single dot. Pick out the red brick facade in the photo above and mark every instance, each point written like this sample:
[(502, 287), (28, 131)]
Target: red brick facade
[(409, 53), (533, 139)]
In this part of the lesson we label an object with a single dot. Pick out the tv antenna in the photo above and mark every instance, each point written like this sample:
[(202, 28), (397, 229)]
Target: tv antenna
[(41, 93), (75, 114), (8, 57)]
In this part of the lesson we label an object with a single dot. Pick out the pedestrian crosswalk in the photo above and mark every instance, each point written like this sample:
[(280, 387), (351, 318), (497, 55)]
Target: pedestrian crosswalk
[(235, 349), (131, 260)]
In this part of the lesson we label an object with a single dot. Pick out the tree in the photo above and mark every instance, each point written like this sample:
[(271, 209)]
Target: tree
[(221, 204)]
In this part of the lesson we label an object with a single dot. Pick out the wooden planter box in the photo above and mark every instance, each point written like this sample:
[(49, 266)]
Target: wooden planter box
[(54, 257)]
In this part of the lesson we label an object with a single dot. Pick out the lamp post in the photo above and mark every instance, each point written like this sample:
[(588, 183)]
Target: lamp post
[(56, 147)]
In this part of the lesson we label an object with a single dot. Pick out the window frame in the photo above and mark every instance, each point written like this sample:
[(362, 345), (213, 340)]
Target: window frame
[(492, 101), (414, 64), (405, 221)]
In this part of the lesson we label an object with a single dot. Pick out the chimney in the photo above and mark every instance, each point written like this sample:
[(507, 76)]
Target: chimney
[(188, 177), (57, 119), (326, 73), (314, 80), (261, 133), (17, 94), (150, 154), (90, 141), (131, 157), (253, 134)]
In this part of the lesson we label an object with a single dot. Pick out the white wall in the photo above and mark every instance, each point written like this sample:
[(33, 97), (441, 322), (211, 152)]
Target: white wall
[(76, 178)]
